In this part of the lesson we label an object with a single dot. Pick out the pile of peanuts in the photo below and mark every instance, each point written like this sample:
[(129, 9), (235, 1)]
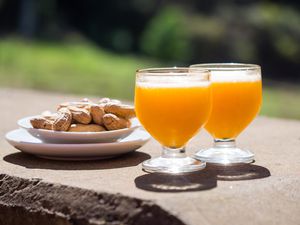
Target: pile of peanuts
[(86, 116)]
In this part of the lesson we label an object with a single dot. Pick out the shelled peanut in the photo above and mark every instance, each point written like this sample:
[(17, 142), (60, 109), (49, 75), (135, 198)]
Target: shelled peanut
[(86, 116)]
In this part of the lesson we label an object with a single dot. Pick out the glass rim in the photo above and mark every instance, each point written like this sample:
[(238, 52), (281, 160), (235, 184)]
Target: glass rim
[(227, 66), (176, 71)]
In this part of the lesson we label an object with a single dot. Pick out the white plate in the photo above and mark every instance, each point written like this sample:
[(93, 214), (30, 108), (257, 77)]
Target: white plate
[(51, 136), (23, 141)]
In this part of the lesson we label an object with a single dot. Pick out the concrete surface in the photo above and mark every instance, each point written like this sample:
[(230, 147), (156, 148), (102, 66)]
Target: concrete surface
[(266, 192)]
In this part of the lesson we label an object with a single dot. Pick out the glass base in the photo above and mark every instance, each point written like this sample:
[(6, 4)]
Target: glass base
[(225, 152), (225, 156), (173, 165)]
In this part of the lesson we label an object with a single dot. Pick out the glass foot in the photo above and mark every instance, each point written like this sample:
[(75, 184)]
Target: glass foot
[(225, 156), (173, 165)]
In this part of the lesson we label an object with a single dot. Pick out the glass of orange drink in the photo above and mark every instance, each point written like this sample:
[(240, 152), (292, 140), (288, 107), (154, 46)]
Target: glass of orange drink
[(173, 104), (236, 100)]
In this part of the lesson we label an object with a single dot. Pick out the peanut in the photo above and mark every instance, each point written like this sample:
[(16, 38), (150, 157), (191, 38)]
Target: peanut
[(63, 120), (75, 104), (97, 113), (80, 115), (121, 110), (41, 123), (86, 128), (112, 122)]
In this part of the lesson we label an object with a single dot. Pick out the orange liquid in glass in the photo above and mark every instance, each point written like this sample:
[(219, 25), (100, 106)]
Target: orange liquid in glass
[(173, 115), (235, 104)]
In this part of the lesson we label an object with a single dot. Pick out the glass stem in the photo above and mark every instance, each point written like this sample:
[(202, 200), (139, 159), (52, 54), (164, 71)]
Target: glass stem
[(173, 152), (224, 143)]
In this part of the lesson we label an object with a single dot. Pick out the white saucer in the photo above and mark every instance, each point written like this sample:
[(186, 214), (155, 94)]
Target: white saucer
[(51, 136), (23, 141)]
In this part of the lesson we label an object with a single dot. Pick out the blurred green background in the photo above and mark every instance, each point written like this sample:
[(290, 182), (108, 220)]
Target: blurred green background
[(94, 47)]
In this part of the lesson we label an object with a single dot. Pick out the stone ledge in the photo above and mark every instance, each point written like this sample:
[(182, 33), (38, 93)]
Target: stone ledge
[(24, 201), (213, 196)]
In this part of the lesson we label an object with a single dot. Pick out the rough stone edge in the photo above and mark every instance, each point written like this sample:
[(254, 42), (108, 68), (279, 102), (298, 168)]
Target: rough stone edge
[(31, 201)]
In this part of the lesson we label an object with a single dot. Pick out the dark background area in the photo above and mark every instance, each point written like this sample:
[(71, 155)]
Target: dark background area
[(174, 32)]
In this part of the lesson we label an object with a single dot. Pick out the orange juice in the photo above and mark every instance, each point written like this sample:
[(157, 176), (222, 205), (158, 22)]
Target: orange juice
[(235, 104), (173, 114)]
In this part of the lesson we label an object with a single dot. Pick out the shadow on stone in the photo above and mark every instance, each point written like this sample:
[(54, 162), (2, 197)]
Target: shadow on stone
[(30, 161), (176, 183), (238, 172), (203, 180)]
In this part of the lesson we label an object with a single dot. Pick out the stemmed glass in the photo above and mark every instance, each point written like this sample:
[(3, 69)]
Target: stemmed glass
[(173, 104), (237, 97)]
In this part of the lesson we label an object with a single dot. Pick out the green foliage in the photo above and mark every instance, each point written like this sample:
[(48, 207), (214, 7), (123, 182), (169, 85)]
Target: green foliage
[(281, 100), (260, 32), (80, 68), (84, 69), (166, 36), (279, 25)]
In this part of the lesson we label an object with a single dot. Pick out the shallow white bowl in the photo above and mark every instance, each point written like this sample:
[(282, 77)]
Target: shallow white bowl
[(51, 136)]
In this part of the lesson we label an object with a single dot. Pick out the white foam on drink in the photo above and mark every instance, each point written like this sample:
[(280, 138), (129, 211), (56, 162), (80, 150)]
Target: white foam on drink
[(233, 76), (183, 84)]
